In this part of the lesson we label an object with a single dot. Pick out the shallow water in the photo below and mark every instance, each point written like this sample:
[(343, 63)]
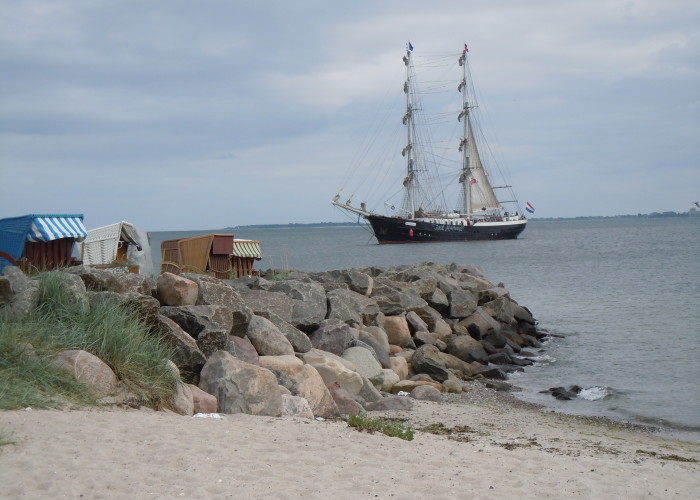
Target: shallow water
[(625, 293)]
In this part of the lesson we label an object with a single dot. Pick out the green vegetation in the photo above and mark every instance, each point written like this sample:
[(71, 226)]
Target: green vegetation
[(108, 330), (5, 439), (391, 428)]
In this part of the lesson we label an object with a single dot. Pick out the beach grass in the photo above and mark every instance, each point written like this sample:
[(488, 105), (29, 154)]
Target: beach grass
[(109, 330), (389, 427)]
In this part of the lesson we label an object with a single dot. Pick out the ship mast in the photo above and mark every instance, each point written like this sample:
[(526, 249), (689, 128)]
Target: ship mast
[(409, 181), (465, 175)]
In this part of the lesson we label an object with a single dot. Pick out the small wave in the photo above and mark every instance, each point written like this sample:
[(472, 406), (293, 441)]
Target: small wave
[(543, 360), (594, 393)]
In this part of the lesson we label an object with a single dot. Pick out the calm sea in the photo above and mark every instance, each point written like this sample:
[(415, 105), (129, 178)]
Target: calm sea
[(624, 292)]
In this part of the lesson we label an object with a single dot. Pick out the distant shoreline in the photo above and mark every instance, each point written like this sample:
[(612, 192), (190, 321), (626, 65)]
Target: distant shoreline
[(652, 215)]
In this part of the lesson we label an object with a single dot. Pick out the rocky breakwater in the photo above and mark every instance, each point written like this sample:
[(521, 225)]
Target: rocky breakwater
[(313, 344)]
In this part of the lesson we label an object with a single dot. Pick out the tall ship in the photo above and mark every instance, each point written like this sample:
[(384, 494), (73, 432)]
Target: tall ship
[(422, 214)]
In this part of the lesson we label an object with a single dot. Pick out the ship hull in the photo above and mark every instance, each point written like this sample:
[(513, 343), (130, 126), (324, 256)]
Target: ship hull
[(389, 230)]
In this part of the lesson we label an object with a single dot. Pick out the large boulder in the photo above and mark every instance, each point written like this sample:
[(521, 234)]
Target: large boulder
[(351, 307), (466, 348), (174, 290), (334, 369), (299, 340), (379, 350), (106, 281), (397, 330), (24, 294), (357, 281), (203, 402), (427, 360), (394, 297), (267, 338), (333, 337), (478, 325), (186, 353), (296, 406), (310, 305), (240, 387), (500, 309), (89, 370), (243, 349), (195, 319), (343, 399), (263, 302), (462, 303), (147, 308), (366, 364), (213, 291)]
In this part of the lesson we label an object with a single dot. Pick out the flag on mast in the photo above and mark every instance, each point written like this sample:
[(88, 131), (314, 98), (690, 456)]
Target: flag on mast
[(465, 48), (410, 47), (529, 208)]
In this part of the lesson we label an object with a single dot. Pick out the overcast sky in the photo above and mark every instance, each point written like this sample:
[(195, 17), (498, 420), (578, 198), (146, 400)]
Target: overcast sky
[(194, 115)]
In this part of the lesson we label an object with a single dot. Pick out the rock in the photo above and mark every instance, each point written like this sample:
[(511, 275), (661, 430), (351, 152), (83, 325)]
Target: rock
[(416, 323), (409, 385), (105, 281), (25, 294), (174, 290), (310, 304), (202, 401), (240, 387), (355, 280), (334, 338), (267, 338), (288, 364), (390, 403), (397, 330), (394, 297), (366, 364), (296, 406), (262, 303), (458, 367), (215, 292), (479, 325), (90, 370), (389, 379), (453, 386), (195, 319), (299, 340), (400, 366), (378, 334), (462, 304), (351, 307), (499, 309), (213, 338), (466, 348), (489, 371), (427, 360), (380, 350), (426, 393), (345, 403), (421, 338), (438, 300), (241, 348), (332, 369), (182, 401), (186, 356), (311, 386), (75, 291)]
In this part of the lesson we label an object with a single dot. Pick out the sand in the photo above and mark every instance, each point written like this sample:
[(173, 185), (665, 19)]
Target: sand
[(503, 449)]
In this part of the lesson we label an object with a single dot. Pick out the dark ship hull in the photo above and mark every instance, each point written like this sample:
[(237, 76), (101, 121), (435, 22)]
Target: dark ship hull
[(398, 230)]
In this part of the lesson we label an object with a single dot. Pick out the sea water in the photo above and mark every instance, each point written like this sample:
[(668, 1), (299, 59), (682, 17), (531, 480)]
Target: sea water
[(624, 293)]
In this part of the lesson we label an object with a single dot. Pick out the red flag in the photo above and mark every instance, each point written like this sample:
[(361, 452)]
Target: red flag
[(465, 48)]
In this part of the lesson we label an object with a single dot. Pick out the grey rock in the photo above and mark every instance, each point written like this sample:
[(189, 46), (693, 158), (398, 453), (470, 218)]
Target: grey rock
[(240, 387)]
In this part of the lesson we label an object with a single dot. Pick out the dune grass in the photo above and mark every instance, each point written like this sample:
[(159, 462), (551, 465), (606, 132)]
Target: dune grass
[(108, 330), (391, 428)]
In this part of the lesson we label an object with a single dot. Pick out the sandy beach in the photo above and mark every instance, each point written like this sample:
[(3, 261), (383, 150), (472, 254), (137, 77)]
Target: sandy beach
[(497, 448)]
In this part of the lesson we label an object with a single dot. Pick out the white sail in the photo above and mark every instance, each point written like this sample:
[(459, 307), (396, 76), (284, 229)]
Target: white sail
[(481, 195)]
